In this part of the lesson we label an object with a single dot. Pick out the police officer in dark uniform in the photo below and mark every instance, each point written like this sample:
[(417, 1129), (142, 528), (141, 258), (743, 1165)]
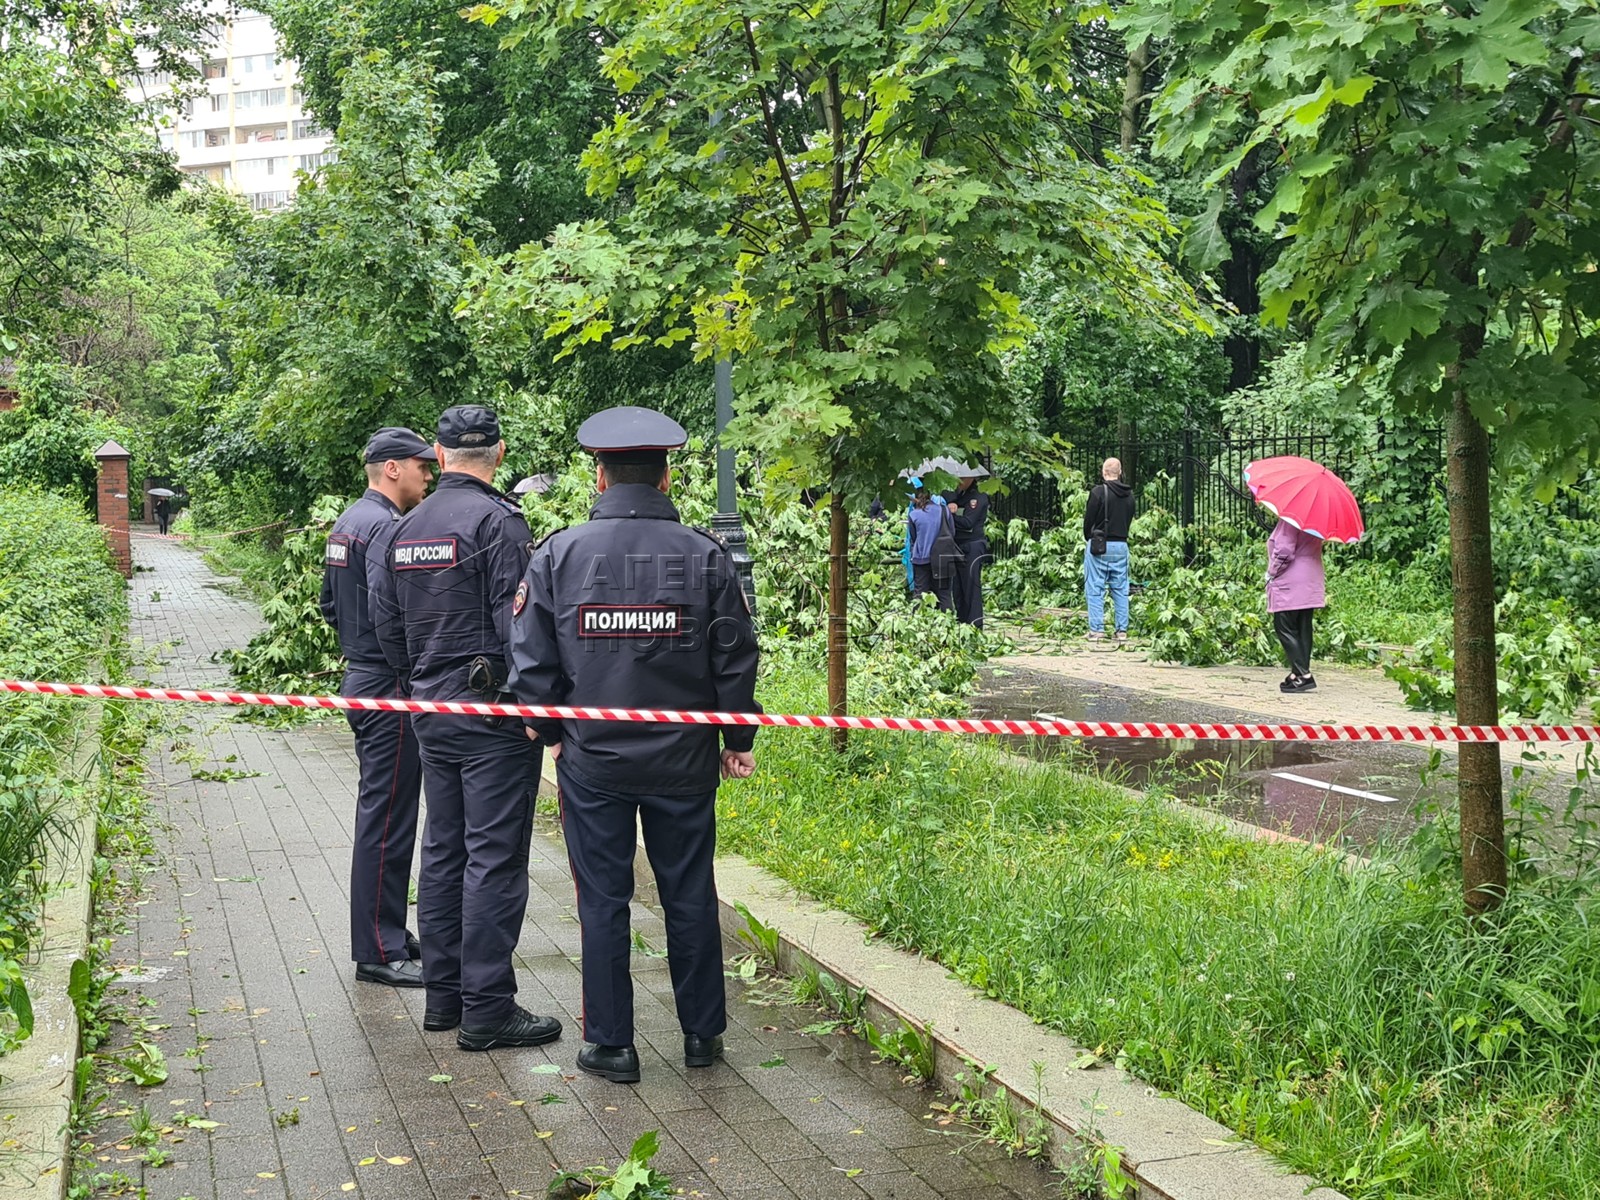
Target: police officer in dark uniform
[(399, 468), (969, 508), (443, 614), (634, 609)]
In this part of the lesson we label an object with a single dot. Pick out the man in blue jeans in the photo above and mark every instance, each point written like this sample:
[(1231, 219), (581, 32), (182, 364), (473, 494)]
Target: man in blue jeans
[(1107, 518)]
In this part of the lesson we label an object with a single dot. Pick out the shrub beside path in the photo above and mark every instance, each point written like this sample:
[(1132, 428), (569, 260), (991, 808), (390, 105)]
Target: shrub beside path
[(236, 969)]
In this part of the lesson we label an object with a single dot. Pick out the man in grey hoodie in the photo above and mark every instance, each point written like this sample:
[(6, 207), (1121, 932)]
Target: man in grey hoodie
[(1105, 553)]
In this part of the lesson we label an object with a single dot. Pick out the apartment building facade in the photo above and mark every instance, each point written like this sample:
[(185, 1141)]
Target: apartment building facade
[(249, 131)]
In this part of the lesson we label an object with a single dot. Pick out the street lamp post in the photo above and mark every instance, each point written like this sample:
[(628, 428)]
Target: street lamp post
[(726, 522)]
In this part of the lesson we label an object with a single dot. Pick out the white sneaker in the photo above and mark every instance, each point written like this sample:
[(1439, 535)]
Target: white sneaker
[(1097, 635), (1122, 636)]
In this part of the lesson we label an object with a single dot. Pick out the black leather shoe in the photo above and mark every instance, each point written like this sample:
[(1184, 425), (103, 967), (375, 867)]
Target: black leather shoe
[(413, 947), (521, 1028), (700, 1051), (619, 1064), (437, 1020), (405, 973), (1301, 683)]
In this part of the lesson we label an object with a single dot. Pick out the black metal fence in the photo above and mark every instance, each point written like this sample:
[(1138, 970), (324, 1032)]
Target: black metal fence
[(1195, 474)]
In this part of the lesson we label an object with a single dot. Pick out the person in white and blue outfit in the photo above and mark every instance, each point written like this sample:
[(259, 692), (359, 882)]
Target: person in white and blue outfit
[(1105, 527)]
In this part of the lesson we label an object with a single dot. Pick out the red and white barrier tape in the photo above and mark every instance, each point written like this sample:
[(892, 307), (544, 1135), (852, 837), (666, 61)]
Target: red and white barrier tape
[(204, 536), (1050, 728)]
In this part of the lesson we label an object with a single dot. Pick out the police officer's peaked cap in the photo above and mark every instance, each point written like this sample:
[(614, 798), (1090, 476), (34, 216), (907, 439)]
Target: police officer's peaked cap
[(468, 427), (393, 442), (631, 435)]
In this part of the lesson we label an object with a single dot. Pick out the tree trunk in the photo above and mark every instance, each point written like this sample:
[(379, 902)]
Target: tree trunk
[(1483, 842), (838, 623), (1241, 275), (1133, 94)]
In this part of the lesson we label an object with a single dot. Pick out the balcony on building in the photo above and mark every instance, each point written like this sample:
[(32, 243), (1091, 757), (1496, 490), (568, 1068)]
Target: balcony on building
[(248, 134)]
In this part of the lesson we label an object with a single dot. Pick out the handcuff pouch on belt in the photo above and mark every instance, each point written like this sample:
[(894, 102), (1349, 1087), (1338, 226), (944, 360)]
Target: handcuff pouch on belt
[(483, 679)]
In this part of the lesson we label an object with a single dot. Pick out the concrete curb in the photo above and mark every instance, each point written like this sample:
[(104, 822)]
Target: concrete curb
[(36, 1097), (1168, 1150)]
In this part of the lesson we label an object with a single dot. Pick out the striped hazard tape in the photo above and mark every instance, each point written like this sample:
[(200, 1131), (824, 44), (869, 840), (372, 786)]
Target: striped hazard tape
[(1054, 727)]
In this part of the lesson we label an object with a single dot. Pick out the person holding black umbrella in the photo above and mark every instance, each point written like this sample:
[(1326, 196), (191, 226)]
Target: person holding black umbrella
[(969, 509)]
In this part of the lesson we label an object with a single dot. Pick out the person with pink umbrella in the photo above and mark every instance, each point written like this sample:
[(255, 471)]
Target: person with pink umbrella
[(1313, 505)]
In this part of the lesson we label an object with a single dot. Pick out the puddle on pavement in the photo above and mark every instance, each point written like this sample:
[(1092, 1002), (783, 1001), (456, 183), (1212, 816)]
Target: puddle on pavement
[(1358, 794)]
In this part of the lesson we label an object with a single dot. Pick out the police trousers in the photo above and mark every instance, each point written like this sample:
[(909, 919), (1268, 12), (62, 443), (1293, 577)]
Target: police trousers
[(472, 891), (386, 818), (680, 839), (969, 582)]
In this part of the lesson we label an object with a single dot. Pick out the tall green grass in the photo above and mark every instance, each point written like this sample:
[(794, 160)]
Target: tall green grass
[(1348, 1020), (61, 606)]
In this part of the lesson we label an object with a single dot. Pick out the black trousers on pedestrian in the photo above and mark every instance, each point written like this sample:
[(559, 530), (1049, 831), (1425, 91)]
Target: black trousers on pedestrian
[(969, 582), (161, 521), (680, 838), (386, 818), (1294, 634), (924, 583), (472, 891)]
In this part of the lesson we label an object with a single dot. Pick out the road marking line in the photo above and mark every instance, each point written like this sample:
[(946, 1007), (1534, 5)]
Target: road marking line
[(1335, 787)]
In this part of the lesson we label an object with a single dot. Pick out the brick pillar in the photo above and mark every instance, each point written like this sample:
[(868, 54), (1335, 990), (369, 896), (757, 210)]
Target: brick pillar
[(111, 495)]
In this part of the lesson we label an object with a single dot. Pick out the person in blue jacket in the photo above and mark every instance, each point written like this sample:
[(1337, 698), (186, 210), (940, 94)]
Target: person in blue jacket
[(924, 523), (905, 551)]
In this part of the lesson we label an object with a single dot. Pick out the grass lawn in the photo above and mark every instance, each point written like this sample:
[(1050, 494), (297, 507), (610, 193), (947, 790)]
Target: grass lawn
[(1349, 1021)]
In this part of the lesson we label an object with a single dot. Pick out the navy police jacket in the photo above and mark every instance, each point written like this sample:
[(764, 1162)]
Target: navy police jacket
[(345, 603), (973, 513), (444, 597), (636, 610)]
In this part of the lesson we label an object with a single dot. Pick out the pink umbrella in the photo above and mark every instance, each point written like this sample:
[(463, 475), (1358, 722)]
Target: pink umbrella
[(1308, 496)]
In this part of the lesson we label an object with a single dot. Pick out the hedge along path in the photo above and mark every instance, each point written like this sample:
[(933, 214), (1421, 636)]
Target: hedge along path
[(1051, 728)]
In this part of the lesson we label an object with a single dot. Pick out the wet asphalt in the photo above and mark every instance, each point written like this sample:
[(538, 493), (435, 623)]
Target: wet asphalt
[(1356, 794)]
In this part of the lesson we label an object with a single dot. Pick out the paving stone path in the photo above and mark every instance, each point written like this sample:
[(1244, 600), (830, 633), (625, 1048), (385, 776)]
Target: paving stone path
[(237, 967)]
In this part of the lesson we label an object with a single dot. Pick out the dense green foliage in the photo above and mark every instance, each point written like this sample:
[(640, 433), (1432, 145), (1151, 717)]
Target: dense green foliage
[(48, 440), (1374, 113), (1345, 1019), (847, 217), (71, 144), (61, 608), (341, 307)]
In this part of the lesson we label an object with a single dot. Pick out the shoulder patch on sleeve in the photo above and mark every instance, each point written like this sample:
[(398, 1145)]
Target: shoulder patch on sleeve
[(715, 537), (521, 602), (537, 542), (338, 551)]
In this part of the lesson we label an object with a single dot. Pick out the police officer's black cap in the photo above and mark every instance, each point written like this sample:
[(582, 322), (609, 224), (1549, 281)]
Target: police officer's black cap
[(468, 427), (393, 442), (629, 434)]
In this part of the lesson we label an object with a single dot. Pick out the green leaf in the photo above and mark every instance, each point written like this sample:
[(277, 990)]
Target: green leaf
[(1205, 246), (1396, 311), (645, 1146), (147, 1066), (1537, 1004), (21, 1006), (1354, 90)]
